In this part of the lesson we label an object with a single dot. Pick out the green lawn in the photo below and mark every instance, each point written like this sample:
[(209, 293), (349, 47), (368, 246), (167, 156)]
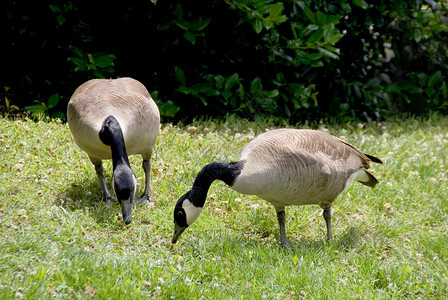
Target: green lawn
[(59, 241)]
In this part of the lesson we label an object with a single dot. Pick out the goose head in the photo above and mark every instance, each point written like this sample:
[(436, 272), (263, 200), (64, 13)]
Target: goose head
[(185, 213), (125, 184)]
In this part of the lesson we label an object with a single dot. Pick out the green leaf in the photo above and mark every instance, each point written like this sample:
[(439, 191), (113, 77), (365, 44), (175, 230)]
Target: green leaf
[(317, 63), (293, 29), (155, 95), (98, 73), (256, 87), (219, 80), (200, 25), (357, 91), (234, 102), (53, 101), (393, 88), (35, 108), (186, 90), (361, 3), (316, 36), (321, 18), (241, 91), (268, 24), (180, 75), (332, 19), (435, 78), (332, 49), (189, 36), (308, 29), (262, 7), (279, 79), (203, 100), (181, 24), (421, 77), (416, 34), (271, 94), (168, 108), (328, 53), (406, 98), (275, 13), (68, 6), (332, 34), (208, 91), (104, 60), (430, 92), (78, 52), (108, 70), (231, 81), (77, 61), (61, 19), (314, 56), (58, 115), (193, 91), (226, 94), (258, 25), (204, 88), (55, 9), (179, 11), (276, 10), (444, 90), (309, 14), (90, 58)]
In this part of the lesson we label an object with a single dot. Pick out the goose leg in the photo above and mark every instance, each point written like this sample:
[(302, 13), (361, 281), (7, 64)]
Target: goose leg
[(281, 223), (327, 217), (106, 194), (146, 197)]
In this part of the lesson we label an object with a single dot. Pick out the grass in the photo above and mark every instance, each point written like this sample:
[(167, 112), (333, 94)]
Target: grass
[(59, 241)]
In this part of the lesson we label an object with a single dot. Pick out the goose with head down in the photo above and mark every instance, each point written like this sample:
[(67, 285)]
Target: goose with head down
[(111, 119), (284, 167)]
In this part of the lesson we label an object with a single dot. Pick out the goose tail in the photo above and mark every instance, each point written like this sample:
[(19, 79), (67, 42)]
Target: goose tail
[(374, 159), (366, 178)]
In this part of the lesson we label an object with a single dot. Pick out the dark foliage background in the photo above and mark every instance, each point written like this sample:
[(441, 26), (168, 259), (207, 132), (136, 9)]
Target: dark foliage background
[(295, 60)]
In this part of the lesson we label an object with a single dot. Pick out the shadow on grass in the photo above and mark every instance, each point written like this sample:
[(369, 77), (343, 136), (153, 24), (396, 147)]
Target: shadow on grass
[(352, 237), (344, 242), (86, 195)]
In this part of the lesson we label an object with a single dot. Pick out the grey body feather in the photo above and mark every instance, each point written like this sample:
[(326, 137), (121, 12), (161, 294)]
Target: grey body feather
[(299, 167), (128, 101)]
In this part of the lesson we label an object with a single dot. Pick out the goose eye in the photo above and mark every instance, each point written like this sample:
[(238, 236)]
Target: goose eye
[(180, 213)]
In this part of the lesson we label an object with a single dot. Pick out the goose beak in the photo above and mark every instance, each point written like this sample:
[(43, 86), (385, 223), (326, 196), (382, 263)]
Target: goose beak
[(126, 208), (177, 232)]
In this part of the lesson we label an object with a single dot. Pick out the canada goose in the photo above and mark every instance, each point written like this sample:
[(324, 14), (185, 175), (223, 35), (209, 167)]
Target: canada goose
[(284, 167), (109, 119)]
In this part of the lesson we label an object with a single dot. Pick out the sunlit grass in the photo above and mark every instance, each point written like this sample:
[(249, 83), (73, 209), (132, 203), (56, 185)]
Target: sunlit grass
[(59, 241)]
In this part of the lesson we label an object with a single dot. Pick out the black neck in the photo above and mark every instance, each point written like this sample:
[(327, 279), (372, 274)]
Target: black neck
[(112, 135), (223, 171), (119, 154)]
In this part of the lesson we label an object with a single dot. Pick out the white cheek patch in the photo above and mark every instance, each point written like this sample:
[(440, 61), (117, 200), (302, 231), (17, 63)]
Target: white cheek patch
[(192, 212)]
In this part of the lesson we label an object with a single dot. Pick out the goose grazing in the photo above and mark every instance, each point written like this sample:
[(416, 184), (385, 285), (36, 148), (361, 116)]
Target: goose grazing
[(109, 119), (284, 167)]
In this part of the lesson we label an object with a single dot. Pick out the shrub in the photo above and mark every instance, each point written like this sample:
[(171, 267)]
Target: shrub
[(295, 60)]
